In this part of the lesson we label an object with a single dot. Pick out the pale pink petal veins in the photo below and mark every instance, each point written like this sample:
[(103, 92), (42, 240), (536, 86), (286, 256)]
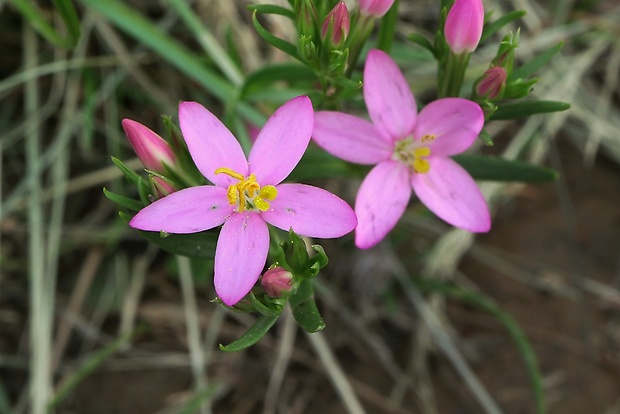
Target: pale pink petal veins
[(381, 201), (282, 141), (450, 192), (210, 143), (389, 100), (189, 210), (240, 256), (310, 211), (350, 138), (453, 122)]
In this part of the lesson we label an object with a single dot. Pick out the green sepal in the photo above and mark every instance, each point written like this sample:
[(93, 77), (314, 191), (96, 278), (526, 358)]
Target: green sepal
[(252, 335), (498, 169), (295, 254), (347, 83), (131, 176), (122, 201), (491, 28), (272, 9), (199, 245), (283, 45), (277, 305), (526, 108), (145, 191), (304, 308), (519, 88)]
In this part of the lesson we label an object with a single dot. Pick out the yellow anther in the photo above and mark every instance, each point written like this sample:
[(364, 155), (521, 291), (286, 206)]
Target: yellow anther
[(420, 163), (247, 194), (229, 172), (428, 137), (421, 166)]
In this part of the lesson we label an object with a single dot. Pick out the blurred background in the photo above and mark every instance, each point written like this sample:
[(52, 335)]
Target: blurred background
[(94, 319)]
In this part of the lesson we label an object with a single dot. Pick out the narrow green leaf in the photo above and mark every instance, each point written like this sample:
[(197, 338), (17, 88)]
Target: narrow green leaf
[(517, 335), (422, 41), (272, 9), (89, 366), (283, 45), (252, 335), (67, 13), (347, 83), (522, 109), (387, 30), (498, 169), (538, 62), (491, 28), (131, 176), (122, 201), (305, 310)]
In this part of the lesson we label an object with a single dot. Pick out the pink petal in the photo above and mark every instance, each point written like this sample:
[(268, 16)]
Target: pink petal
[(376, 8), (381, 201), (350, 138), (189, 210), (310, 211), (450, 192), (388, 98), (240, 256), (454, 122), (464, 24), (150, 148), (282, 141), (211, 144)]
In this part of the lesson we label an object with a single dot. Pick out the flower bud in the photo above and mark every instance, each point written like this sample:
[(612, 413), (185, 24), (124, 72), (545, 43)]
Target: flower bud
[(375, 8), (277, 282), (463, 27), (150, 148), (492, 83), (336, 23)]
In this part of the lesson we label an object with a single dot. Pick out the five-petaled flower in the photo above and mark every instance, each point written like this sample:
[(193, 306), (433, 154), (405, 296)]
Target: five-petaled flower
[(247, 194), (410, 150)]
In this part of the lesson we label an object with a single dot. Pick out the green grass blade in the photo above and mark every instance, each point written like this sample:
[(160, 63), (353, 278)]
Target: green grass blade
[(67, 13)]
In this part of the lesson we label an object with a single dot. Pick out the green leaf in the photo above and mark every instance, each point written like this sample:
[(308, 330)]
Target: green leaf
[(88, 366), (498, 169), (422, 41), (522, 109), (538, 62), (347, 83), (387, 30), (283, 45), (491, 28), (252, 335), (67, 13), (263, 309), (304, 308), (199, 245), (517, 335), (268, 75), (272, 9), (122, 201)]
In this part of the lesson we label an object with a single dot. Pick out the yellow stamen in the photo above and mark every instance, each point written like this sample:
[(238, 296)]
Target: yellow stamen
[(247, 194), (428, 137), (420, 163)]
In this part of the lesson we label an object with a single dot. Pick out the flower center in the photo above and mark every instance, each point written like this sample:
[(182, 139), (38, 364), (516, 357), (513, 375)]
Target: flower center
[(247, 194), (414, 153)]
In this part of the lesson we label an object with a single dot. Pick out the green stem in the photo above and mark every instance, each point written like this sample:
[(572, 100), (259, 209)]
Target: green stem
[(451, 75)]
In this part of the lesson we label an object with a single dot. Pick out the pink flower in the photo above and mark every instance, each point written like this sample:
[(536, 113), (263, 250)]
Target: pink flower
[(464, 26), (492, 83), (247, 194), (410, 150), (152, 150), (338, 21), (376, 8), (277, 282)]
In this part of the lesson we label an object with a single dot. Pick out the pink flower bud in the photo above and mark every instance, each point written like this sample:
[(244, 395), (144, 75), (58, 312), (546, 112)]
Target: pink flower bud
[(492, 83), (277, 282), (338, 21), (150, 148), (375, 8), (464, 26)]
